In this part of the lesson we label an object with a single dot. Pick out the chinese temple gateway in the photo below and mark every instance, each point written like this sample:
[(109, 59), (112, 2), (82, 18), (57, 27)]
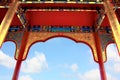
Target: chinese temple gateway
[(94, 22)]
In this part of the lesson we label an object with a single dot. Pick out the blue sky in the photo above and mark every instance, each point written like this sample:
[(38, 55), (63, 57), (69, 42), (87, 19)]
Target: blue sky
[(58, 59)]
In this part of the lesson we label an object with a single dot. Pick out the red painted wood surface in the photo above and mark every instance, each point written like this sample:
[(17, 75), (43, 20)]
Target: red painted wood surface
[(62, 18), (73, 18)]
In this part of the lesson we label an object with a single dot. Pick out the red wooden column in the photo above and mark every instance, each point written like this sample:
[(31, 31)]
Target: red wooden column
[(17, 70), (100, 58), (20, 56)]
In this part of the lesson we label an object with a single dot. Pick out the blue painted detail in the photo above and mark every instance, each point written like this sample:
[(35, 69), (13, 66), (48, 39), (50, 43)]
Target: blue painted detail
[(86, 29), (61, 29), (14, 29), (108, 30), (58, 29), (39, 28), (35, 28)]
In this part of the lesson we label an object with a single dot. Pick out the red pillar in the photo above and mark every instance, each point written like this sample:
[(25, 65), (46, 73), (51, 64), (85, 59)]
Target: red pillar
[(100, 58), (17, 70), (20, 56)]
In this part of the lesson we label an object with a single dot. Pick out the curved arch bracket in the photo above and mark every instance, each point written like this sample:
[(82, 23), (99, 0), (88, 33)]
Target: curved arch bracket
[(105, 39), (33, 37), (17, 38), (87, 38)]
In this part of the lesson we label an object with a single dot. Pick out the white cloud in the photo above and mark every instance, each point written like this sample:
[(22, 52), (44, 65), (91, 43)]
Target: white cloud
[(74, 67), (6, 60), (93, 74), (25, 77), (116, 67), (112, 53), (90, 75), (113, 62), (110, 77), (35, 64)]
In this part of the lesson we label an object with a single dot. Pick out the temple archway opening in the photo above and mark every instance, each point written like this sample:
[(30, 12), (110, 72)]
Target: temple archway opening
[(60, 57)]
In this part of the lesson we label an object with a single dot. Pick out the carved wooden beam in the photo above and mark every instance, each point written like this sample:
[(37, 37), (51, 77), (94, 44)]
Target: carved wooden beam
[(7, 21), (115, 26)]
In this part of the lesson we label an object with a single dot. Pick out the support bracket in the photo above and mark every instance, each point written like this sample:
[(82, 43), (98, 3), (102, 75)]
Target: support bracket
[(21, 15), (100, 18)]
